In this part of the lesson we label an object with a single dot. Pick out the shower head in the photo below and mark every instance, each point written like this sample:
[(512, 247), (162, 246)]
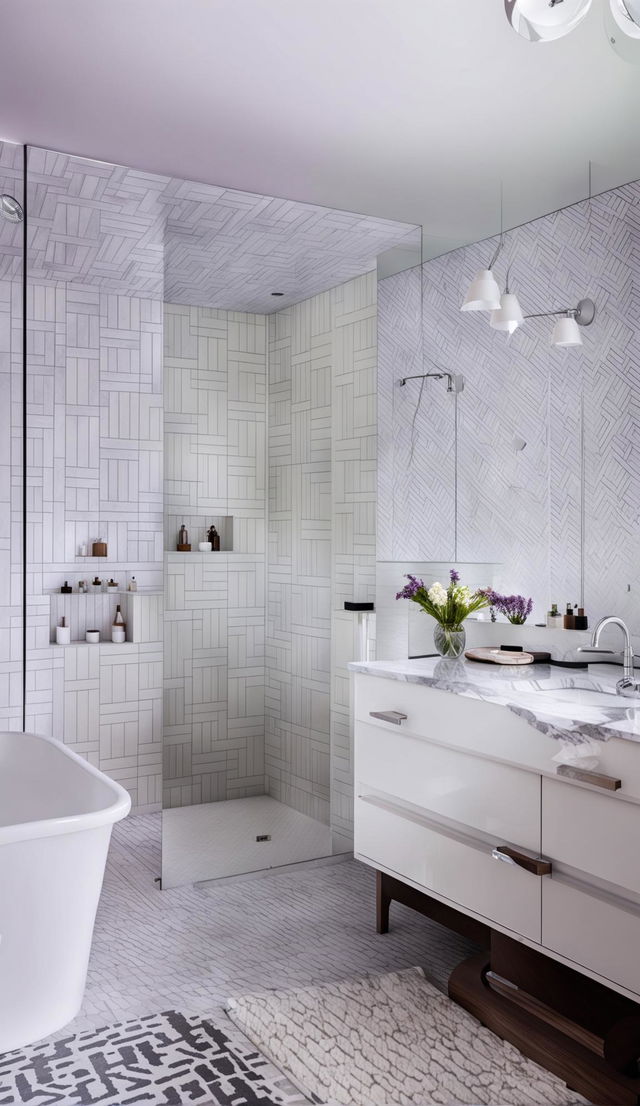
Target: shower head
[(10, 208), (455, 381)]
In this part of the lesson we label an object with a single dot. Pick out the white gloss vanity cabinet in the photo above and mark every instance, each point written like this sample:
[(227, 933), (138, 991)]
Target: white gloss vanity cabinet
[(461, 799)]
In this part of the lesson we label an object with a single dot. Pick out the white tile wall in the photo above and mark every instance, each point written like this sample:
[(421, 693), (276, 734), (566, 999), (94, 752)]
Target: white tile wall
[(95, 452), (11, 447), (322, 449), (215, 465)]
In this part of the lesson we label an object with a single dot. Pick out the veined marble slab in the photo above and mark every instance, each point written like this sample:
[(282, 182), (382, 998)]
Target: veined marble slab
[(570, 705)]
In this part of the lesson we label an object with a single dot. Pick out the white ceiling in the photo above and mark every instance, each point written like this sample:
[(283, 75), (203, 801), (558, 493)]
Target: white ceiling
[(410, 110)]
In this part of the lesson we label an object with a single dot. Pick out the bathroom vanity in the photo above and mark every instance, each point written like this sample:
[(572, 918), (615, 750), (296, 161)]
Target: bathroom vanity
[(505, 802)]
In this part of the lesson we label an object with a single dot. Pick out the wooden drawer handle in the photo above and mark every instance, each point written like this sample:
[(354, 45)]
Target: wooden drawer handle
[(608, 783), (534, 864), (389, 716)]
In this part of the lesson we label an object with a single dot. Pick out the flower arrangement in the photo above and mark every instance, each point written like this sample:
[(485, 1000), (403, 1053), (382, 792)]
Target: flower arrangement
[(448, 606), (515, 607)]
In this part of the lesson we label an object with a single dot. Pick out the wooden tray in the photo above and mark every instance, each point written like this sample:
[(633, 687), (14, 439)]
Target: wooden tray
[(492, 655)]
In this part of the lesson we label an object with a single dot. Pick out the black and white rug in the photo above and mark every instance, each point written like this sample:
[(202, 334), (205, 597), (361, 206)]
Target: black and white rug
[(165, 1059)]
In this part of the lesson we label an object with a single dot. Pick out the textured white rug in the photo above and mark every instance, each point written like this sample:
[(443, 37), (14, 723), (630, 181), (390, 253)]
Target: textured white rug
[(391, 1040)]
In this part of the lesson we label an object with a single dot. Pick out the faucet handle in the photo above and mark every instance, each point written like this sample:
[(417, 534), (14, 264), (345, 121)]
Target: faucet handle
[(594, 649)]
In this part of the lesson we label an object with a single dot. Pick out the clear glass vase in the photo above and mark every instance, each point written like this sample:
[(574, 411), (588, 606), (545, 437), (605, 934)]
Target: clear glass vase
[(449, 640)]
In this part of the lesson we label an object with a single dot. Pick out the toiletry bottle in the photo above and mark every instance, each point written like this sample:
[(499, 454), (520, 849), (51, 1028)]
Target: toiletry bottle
[(554, 618), (63, 632), (119, 628), (82, 586), (183, 540), (569, 620), (66, 589), (99, 548), (581, 622), (214, 537), (133, 584), (84, 552), (112, 585), (96, 584)]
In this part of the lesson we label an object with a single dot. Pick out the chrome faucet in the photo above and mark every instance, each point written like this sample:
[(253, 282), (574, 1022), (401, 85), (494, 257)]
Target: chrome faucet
[(628, 685)]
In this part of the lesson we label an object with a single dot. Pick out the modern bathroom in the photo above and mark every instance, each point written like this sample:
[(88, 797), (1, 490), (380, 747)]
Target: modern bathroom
[(319, 537)]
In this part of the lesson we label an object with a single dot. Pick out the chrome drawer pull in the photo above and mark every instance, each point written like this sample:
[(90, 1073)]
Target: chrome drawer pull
[(597, 779), (389, 716), (537, 865)]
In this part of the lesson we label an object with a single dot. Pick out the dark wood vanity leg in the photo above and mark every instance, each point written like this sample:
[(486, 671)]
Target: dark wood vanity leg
[(383, 902)]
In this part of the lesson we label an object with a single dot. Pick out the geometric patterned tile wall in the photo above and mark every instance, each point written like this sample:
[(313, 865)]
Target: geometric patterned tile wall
[(11, 268), (561, 516), (94, 442), (118, 228), (215, 469), (321, 537)]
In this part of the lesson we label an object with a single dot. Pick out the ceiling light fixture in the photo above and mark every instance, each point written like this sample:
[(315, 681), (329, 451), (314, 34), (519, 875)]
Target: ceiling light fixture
[(545, 20), (566, 332), (622, 25), (548, 20), (483, 294), (508, 317)]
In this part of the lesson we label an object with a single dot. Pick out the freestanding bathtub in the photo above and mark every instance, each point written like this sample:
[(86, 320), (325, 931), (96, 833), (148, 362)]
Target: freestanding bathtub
[(56, 815)]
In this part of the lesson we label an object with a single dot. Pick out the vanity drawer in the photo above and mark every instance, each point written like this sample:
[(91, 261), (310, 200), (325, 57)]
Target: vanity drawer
[(462, 871), (456, 721), (594, 933), (502, 801), (596, 833)]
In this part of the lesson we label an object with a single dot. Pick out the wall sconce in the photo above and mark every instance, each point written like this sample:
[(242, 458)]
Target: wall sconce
[(509, 315), (483, 294), (566, 332)]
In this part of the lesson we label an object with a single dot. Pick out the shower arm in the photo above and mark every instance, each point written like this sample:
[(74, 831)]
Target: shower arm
[(432, 376)]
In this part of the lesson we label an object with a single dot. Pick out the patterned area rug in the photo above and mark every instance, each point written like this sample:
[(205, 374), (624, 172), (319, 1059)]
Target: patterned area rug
[(162, 1060), (391, 1039)]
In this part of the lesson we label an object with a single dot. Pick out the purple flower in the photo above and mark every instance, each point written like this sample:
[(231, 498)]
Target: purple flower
[(455, 576), (515, 607), (410, 590)]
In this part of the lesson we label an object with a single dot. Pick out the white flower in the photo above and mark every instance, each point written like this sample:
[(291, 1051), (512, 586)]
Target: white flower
[(437, 595)]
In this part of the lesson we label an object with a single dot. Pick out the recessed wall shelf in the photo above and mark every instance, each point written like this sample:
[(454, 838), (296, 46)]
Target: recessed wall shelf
[(198, 526), (82, 611)]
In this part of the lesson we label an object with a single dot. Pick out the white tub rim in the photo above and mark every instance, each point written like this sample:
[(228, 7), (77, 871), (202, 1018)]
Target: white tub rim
[(68, 823)]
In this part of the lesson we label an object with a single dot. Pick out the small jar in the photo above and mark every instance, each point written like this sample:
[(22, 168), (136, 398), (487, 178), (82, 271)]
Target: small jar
[(204, 546), (92, 637)]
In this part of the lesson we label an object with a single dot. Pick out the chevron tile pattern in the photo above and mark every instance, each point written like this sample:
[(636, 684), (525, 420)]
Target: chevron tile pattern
[(561, 516), (322, 449), (215, 368)]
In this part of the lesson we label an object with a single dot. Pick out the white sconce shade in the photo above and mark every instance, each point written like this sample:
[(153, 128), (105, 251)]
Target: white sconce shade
[(483, 293), (509, 315), (566, 332)]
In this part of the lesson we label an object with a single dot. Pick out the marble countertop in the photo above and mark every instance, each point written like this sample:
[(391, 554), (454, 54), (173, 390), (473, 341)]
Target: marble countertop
[(572, 705)]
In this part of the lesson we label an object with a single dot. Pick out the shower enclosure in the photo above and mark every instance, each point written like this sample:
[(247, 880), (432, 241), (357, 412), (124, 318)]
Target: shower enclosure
[(196, 356)]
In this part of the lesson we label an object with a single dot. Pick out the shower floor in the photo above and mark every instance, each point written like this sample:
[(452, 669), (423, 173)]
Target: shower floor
[(217, 840)]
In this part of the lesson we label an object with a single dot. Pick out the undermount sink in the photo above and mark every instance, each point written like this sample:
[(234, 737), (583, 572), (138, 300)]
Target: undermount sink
[(591, 696)]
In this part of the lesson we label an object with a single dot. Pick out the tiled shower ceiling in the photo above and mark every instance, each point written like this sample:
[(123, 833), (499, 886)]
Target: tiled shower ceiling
[(106, 225)]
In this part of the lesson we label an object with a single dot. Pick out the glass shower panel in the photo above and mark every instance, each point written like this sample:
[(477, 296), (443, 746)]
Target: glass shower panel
[(11, 435), (270, 431)]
